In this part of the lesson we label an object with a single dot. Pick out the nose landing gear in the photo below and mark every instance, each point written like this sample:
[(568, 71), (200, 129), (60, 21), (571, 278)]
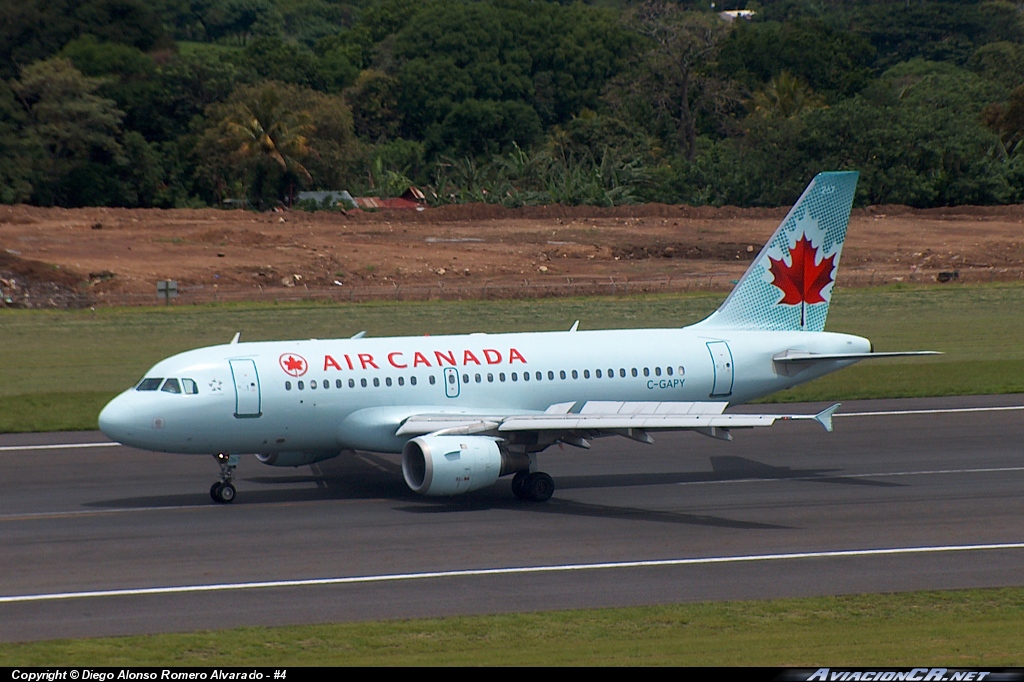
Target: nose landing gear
[(223, 491)]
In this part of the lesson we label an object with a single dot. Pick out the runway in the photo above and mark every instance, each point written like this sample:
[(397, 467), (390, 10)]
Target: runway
[(918, 494)]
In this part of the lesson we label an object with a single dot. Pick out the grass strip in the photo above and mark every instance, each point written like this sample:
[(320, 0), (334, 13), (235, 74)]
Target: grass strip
[(58, 367), (952, 629)]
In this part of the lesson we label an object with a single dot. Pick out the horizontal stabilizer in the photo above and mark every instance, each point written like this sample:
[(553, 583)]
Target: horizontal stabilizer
[(799, 356)]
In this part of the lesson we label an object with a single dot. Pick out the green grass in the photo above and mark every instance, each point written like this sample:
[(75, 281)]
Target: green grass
[(58, 367), (955, 628)]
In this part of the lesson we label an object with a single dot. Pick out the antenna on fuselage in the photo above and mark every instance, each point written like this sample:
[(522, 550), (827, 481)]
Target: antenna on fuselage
[(575, 326), (235, 338), (359, 335)]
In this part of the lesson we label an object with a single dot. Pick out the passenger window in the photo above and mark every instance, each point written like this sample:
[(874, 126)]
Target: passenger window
[(668, 370), (611, 374), (338, 384), (477, 378), (171, 386), (149, 384), (401, 381), (682, 371), (190, 387), (465, 378), (412, 381), (301, 386), (657, 371), (634, 371), (362, 382), (526, 376), (387, 381), (597, 373), (432, 380), (575, 374), (647, 372), (515, 377), (561, 374), (501, 376), (351, 383), (376, 382), (287, 385), (586, 374), (490, 378), (312, 384)]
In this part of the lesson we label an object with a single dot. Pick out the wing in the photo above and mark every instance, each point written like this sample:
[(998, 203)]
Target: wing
[(573, 423)]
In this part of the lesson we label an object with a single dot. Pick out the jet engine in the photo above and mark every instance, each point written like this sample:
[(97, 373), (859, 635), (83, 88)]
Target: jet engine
[(452, 465), (295, 459)]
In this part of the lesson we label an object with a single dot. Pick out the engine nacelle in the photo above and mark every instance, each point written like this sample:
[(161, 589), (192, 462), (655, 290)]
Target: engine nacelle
[(295, 459), (452, 465)]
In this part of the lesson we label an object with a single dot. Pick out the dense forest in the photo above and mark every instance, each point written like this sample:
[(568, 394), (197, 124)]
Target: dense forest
[(165, 103)]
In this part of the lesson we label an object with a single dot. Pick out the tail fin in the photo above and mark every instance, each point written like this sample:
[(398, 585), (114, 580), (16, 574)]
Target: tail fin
[(789, 285)]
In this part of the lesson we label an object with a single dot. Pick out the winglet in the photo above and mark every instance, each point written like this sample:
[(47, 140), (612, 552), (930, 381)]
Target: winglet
[(825, 417)]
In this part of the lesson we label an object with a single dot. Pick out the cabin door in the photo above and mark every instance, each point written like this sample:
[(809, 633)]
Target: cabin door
[(247, 388), (721, 359)]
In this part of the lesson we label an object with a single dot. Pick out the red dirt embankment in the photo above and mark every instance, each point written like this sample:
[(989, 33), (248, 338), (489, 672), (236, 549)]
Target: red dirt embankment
[(61, 257)]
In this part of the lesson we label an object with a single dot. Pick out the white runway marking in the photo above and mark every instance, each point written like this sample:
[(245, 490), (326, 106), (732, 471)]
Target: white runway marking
[(882, 474), (223, 587), (58, 446), (945, 410)]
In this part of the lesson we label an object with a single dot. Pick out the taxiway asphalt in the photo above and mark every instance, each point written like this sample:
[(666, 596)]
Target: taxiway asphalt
[(104, 540)]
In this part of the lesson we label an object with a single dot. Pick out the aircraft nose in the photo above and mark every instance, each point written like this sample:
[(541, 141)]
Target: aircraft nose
[(118, 420)]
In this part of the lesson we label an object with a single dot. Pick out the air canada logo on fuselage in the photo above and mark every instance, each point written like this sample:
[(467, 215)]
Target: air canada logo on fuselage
[(292, 364), (417, 359)]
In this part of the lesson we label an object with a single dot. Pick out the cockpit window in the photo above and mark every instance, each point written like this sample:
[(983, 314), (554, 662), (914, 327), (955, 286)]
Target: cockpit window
[(171, 386), (149, 384), (191, 387)]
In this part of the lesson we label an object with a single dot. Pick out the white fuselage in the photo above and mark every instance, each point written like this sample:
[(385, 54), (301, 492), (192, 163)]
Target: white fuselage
[(331, 395)]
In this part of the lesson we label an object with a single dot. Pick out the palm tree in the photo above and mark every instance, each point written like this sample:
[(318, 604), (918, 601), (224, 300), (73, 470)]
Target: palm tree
[(262, 132), (785, 96)]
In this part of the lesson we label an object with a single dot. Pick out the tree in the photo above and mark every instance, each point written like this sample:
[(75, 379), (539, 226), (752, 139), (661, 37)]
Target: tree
[(32, 30), (271, 138), (676, 73), (73, 127), (785, 96), (15, 171), (374, 101), (267, 137), (1007, 119)]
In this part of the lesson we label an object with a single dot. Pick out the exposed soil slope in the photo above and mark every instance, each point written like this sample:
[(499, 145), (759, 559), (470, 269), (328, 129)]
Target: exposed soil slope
[(61, 257)]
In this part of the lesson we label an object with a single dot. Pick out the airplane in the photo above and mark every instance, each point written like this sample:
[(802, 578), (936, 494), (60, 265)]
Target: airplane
[(465, 410)]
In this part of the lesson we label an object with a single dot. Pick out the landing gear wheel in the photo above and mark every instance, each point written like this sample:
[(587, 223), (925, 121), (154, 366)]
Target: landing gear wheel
[(222, 491), (225, 493), (519, 484), (539, 487)]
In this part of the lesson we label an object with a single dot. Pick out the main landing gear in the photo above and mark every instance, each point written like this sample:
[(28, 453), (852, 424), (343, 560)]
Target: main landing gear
[(223, 491), (536, 486)]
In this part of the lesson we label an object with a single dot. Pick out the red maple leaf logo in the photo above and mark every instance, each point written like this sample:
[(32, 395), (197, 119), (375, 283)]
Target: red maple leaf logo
[(803, 280), (292, 364)]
